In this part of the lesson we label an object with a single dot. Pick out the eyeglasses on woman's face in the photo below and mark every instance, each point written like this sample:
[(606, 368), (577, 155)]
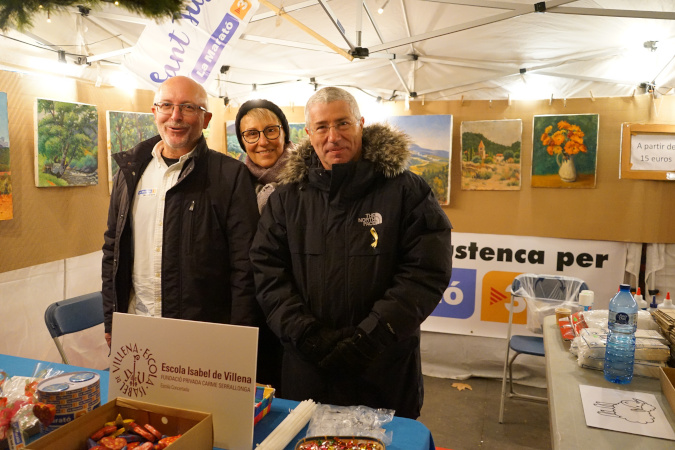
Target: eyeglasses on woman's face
[(186, 109), (271, 132)]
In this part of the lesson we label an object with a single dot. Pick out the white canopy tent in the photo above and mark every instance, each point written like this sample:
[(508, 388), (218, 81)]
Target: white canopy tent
[(419, 50)]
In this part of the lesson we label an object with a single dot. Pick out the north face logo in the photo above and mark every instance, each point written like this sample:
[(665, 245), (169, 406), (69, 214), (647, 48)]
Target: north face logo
[(371, 219)]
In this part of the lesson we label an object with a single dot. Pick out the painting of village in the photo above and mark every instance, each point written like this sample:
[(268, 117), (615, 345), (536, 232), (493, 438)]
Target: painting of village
[(125, 130), (6, 209), (431, 144), (491, 155), (66, 144)]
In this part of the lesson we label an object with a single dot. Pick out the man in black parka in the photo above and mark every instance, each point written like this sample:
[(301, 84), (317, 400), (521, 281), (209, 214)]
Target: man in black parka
[(351, 255)]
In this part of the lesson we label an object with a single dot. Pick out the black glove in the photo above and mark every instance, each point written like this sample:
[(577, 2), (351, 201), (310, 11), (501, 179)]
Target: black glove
[(354, 353), (318, 341)]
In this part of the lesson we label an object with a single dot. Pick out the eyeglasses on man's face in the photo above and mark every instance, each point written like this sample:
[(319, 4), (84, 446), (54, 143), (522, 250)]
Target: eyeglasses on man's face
[(271, 132), (324, 129), (186, 109)]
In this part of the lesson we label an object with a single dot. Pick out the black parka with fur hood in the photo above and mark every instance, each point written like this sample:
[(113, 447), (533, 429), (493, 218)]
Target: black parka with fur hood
[(364, 245)]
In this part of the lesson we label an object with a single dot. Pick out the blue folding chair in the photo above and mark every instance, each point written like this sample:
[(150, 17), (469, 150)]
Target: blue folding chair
[(73, 315), (543, 293)]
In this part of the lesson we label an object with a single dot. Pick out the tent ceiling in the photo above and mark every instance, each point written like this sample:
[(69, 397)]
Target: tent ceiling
[(431, 49)]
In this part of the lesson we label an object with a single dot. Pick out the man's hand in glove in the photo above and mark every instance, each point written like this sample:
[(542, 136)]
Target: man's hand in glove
[(318, 341), (356, 352)]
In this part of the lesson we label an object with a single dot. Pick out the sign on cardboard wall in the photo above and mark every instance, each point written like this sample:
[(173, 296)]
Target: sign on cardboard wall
[(200, 366), (484, 266)]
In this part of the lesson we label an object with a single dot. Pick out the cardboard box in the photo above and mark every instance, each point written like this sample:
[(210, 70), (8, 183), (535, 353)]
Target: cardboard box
[(195, 427), (667, 376)]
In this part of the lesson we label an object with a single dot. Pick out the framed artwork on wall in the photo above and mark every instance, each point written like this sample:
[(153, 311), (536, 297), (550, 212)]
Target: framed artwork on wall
[(233, 148), (125, 130), (6, 205), (431, 137), (297, 131), (565, 150), (66, 144), (491, 155), (647, 151)]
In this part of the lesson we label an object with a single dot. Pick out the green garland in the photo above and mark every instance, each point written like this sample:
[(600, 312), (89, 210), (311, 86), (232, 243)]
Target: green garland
[(18, 13)]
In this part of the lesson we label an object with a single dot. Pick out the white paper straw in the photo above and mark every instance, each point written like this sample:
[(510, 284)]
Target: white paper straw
[(280, 437)]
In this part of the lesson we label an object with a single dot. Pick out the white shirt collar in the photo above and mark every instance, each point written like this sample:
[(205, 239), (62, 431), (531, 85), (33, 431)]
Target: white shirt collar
[(157, 154)]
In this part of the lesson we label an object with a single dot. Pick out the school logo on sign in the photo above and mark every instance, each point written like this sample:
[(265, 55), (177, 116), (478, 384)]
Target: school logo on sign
[(134, 369), (495, 301), (458, 300)]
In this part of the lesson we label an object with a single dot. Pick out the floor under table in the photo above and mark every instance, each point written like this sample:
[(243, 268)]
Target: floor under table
[(468, 419)]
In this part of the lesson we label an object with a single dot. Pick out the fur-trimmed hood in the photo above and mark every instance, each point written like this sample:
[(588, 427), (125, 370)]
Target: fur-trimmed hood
[(386, 147)]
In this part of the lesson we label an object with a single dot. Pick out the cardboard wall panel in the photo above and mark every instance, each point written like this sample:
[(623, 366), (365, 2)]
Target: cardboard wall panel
[(56, 223)]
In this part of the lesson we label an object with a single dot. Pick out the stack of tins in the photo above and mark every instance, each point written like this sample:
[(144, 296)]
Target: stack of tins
[(74, 394)]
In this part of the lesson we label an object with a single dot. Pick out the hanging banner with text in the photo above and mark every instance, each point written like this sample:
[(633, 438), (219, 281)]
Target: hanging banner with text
[(484, 266), (193, 46), (207, 367)]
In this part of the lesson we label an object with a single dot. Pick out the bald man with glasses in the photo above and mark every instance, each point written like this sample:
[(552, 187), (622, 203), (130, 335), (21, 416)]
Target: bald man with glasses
[(180, 223)]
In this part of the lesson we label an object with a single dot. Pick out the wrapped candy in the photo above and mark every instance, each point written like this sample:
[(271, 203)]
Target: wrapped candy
[(17, 402)]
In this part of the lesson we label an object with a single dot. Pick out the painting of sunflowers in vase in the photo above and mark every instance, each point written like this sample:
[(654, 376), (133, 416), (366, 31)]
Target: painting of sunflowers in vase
[(564, 150)]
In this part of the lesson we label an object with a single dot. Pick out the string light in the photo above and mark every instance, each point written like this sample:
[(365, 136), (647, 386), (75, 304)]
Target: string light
[(380, 10), (49, 18)]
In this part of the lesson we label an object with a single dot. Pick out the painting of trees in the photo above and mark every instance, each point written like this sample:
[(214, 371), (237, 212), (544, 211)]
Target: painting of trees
[(6, 207), (67, 144), (234, 150), (125, 130)]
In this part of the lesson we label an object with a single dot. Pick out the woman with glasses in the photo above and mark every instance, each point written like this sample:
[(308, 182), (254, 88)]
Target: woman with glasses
[(262, 131)]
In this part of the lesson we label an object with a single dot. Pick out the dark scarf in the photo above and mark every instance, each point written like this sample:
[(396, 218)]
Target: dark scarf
[(270, 174)]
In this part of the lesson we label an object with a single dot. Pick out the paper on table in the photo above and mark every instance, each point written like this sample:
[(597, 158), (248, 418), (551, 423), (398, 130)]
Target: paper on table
[(625, 411)]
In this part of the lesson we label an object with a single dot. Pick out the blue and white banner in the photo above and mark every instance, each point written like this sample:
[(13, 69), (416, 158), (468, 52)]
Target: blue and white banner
[(194, 46), (484, 266)]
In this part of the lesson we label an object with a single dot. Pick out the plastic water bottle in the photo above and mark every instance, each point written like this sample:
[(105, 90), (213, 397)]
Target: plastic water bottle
[(622, 322)]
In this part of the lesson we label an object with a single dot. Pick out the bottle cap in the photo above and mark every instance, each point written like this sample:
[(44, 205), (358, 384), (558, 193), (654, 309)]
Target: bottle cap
[(667, 303), (653, 303), (586, 298), (641, 302)]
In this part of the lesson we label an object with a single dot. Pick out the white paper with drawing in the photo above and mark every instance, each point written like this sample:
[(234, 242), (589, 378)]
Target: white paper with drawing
[(625, 411)]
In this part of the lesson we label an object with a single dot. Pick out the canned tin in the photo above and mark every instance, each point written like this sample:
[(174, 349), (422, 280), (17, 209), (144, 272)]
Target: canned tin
[(73, 394)]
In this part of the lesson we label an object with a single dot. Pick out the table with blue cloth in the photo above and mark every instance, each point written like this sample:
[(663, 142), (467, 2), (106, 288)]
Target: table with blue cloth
[(407, 434)]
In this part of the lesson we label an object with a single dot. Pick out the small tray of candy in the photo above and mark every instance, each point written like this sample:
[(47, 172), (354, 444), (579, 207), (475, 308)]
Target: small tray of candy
[(340, 443)]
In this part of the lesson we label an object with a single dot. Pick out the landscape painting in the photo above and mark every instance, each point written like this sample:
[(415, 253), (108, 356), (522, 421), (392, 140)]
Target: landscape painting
[(431, 145), (66, 144), (6, 208), (564, 150), (491, 155), (233, 148), (126, 130), (297, 131)]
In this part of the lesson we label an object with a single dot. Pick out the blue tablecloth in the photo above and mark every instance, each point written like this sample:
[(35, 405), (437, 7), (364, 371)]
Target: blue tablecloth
[(407, 434)]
